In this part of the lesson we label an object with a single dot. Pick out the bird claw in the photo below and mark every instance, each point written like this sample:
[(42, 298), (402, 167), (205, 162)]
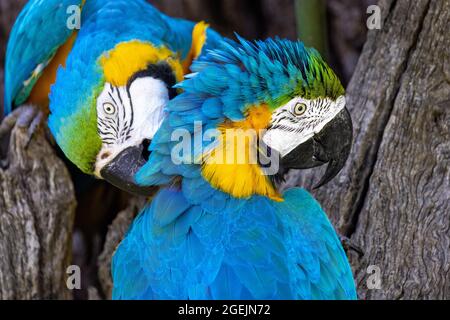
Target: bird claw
[(33, 127), (26, 117), (348, 245)]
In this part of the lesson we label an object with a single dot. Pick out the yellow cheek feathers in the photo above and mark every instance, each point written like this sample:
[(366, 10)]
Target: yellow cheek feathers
[(199, 37), (231, 166), (128, 58)]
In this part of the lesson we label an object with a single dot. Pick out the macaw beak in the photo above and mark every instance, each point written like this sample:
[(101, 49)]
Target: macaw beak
[(120, 171), (330, 146)]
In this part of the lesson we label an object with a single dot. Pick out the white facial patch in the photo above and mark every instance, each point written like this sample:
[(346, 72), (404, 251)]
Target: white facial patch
[(299, 120), (128, 115), (149, 97)]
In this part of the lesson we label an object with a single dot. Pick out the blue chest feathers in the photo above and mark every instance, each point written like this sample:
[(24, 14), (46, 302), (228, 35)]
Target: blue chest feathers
[(243, 249)]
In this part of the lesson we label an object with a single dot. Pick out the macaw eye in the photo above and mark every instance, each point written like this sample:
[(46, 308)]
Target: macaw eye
[(109, 108), (300, 109)]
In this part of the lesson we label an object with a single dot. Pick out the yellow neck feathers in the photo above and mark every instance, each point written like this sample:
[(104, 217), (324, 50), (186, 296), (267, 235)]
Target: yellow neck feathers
[(232, 166), (127, 58)]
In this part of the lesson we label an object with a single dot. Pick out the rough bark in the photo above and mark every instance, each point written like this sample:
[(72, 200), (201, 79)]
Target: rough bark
[(392, 198), (37, 207)]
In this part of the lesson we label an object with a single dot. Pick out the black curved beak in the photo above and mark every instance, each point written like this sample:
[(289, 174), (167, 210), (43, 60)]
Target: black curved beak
[(331, 145), (120, 172)]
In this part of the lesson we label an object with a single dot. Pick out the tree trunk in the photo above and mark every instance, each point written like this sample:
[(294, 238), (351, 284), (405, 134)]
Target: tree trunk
[(392, 199), (37, 207)]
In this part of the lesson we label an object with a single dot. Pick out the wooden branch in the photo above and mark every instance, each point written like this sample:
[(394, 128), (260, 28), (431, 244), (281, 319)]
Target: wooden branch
[(392, 198), (37, 207)]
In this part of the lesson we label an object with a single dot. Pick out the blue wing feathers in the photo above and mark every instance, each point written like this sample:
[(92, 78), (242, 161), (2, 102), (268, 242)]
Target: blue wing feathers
[(39, 31), (168, 206), (226, 286)]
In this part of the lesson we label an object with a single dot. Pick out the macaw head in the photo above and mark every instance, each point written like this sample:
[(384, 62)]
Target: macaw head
[(106, 107), (279, 90), (299, 102), (309, 124)]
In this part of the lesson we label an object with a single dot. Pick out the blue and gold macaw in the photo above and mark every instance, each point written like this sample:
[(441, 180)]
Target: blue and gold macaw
[(105, 85), (220, 228)]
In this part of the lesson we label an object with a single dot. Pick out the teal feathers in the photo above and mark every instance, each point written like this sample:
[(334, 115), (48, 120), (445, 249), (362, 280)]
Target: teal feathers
[(38, 32)]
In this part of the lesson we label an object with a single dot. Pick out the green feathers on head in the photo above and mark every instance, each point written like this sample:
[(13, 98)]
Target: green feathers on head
[(73, 106), (77, 134), (82, 140), (294, 70)]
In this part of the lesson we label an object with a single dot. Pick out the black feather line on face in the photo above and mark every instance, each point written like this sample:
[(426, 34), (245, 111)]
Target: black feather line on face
[(161, 71), (132, 112)]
